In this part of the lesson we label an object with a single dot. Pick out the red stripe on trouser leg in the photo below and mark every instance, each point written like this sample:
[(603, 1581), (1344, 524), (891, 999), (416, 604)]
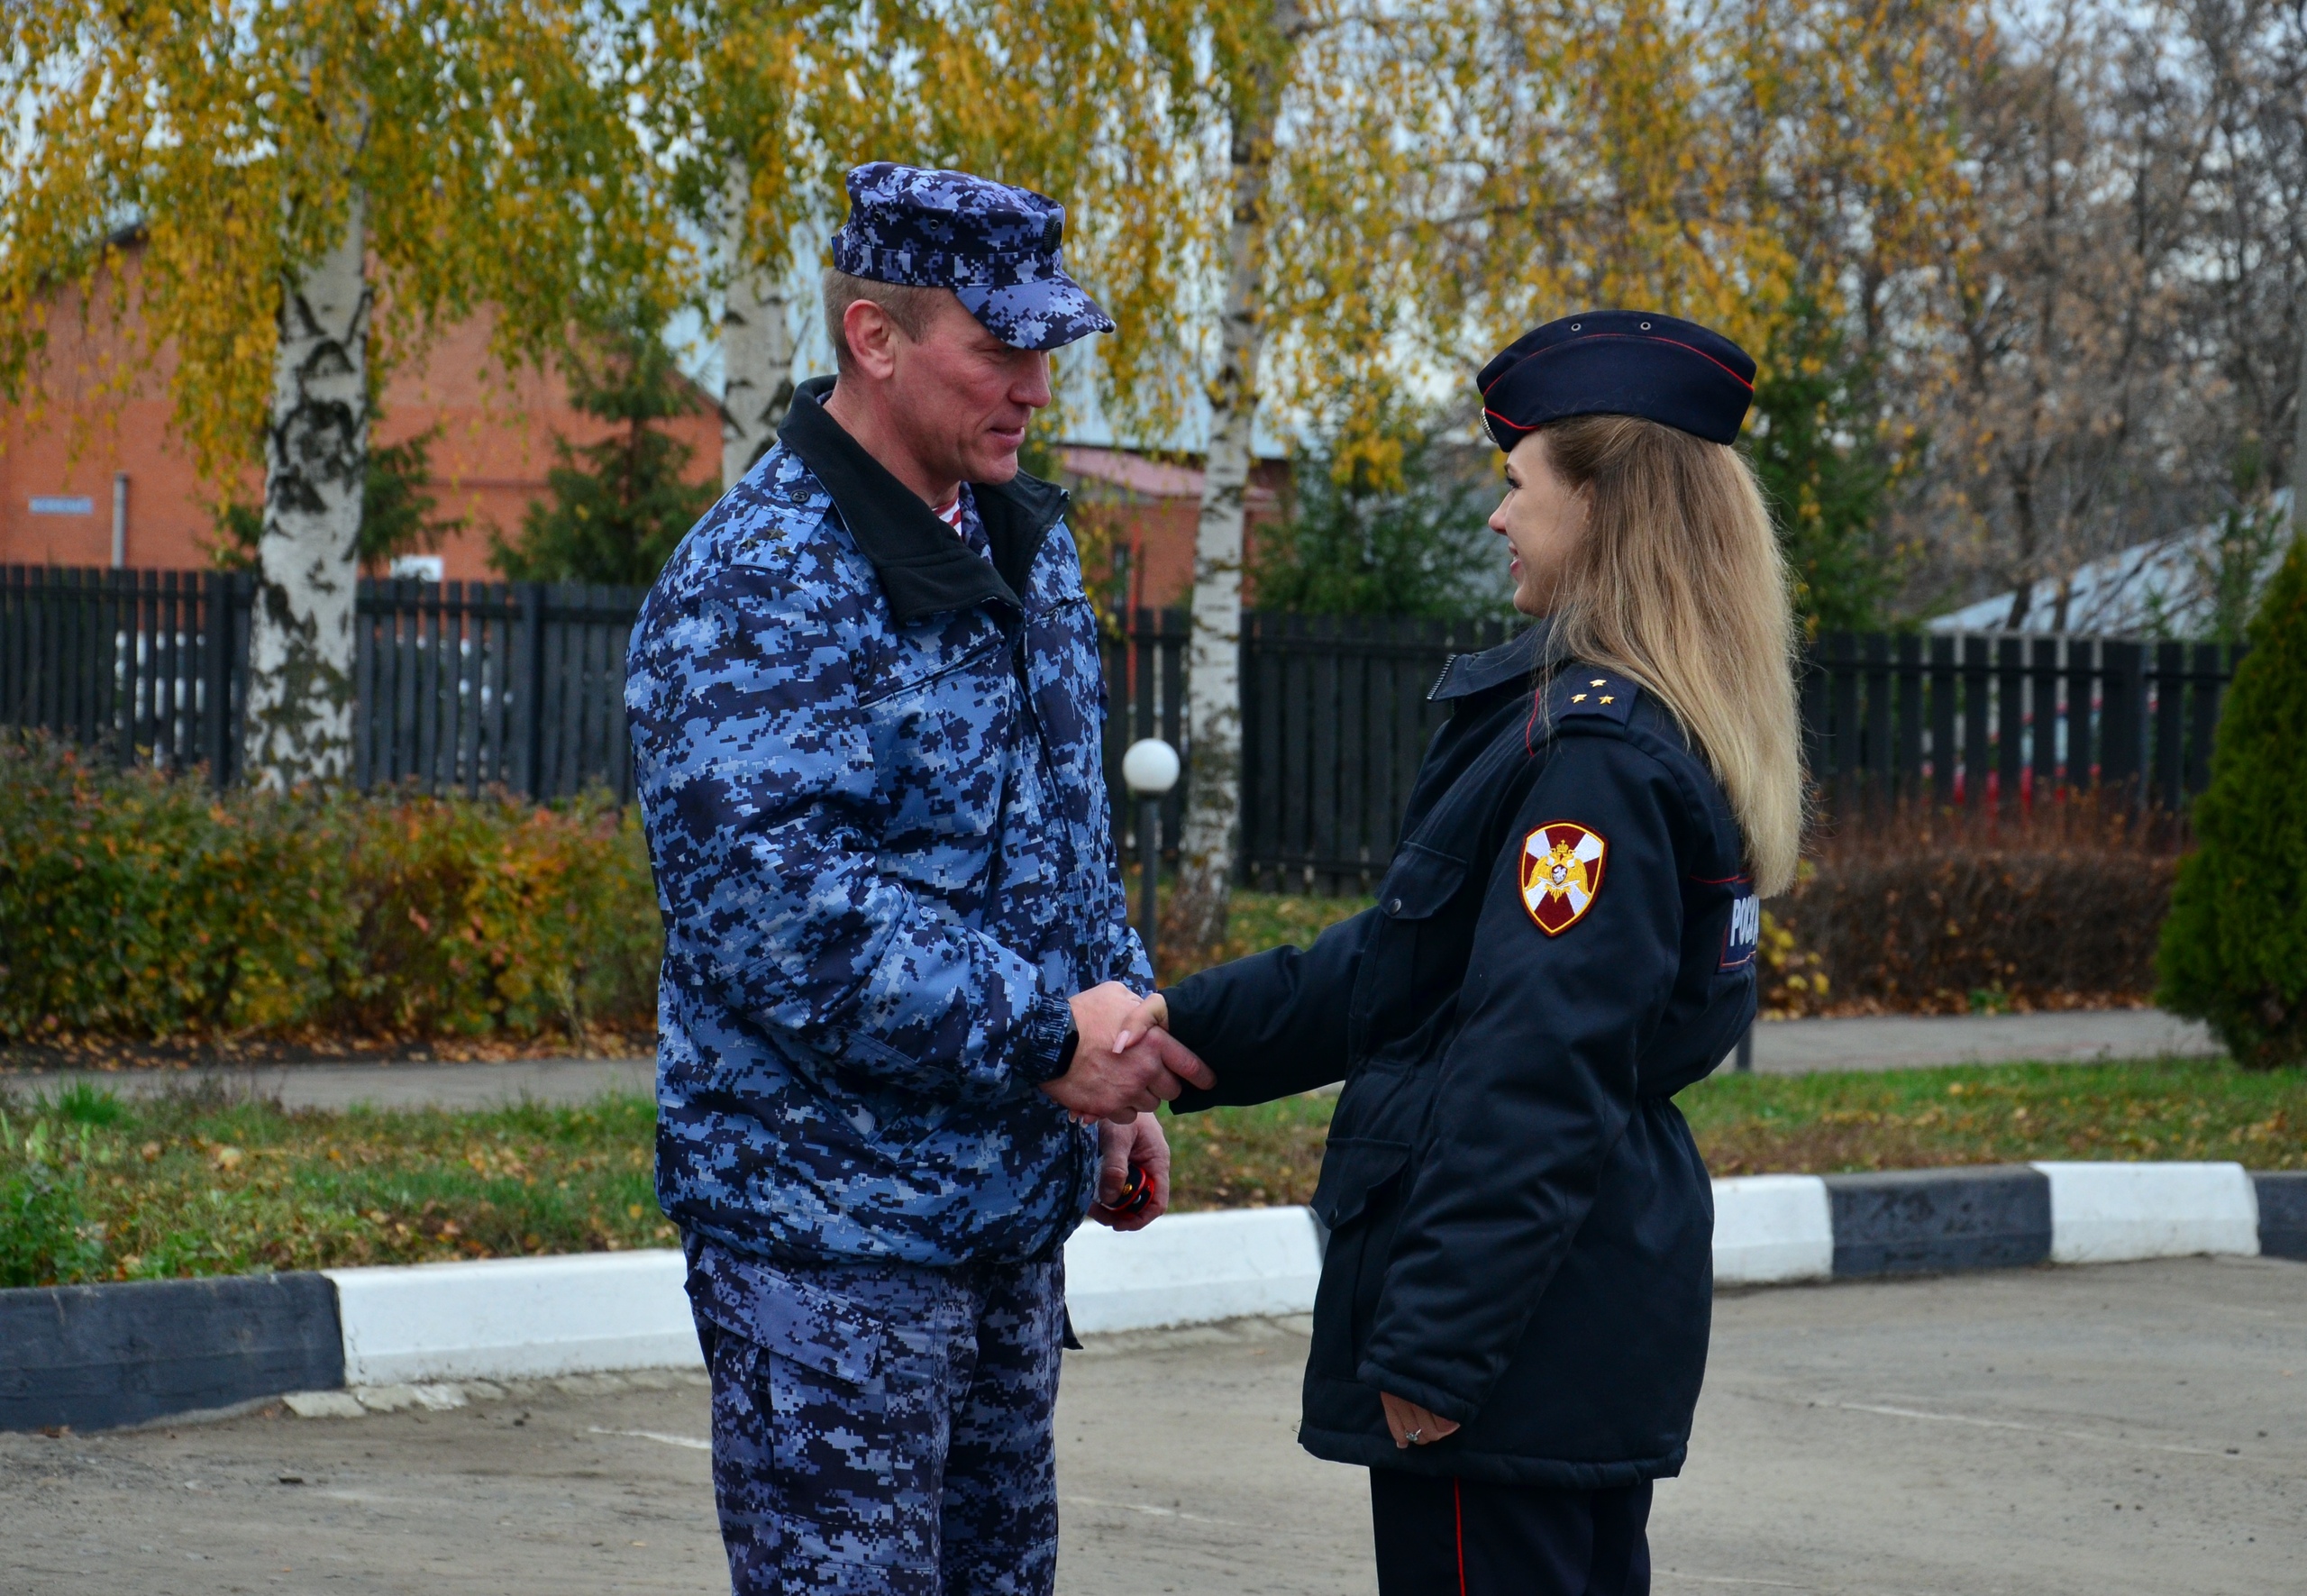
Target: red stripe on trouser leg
[(1458, 1507)]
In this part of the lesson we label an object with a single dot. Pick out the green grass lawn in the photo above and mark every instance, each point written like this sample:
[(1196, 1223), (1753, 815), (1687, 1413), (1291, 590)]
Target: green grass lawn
[(2167, 1108), (94, 1187)]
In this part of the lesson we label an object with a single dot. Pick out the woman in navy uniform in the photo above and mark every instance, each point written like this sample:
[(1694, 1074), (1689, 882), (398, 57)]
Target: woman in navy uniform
[(1512, 1321)]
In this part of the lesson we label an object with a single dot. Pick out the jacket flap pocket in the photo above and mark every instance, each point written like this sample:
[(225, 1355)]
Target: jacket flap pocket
[(1352, 1171), (819, 1330), (1420, 883)]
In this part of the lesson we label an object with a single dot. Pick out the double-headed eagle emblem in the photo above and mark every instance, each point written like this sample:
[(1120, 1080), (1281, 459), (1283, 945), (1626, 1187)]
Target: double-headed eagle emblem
[(1561, 870)]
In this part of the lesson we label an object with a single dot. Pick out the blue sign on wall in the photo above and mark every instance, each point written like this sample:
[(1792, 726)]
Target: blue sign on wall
[(58, 504)]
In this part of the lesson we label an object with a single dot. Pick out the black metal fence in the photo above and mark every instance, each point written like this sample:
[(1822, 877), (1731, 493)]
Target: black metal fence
[(462, 687), (1335, 721), (459, 686), (2010, 722)]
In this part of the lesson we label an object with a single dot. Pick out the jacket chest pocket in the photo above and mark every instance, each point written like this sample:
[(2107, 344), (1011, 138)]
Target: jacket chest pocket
[(1411, 974), (1059, 650), (943, 744)]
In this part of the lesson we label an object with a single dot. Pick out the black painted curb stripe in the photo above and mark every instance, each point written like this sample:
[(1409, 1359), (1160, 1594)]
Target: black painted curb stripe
[(95, 1357), (2282, 1212), (1936, 1221)]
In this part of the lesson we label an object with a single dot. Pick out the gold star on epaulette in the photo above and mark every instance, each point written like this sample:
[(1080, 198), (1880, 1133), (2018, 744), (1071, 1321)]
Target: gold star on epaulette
[(1595, 683), (1578, 697), (1607, 698)]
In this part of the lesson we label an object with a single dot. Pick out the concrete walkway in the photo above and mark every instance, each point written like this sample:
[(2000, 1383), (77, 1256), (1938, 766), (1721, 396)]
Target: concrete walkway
[(1781, 1047), (1909, 1041), (2133, 1430)]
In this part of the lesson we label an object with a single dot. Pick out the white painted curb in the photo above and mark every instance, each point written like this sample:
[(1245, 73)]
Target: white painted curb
[(1190, 1268), (1769, 1228), (499, 1318), (2108, 1213), (522, 1318)]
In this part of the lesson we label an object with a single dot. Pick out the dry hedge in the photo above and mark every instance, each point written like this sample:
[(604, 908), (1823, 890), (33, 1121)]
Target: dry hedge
[(1955, 911)]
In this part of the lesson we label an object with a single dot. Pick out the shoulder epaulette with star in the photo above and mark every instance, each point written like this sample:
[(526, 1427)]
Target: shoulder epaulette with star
[(1580, 689)]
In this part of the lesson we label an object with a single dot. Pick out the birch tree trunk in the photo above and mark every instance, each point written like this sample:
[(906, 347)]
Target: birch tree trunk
[(300, 711), (756, 340), (1197, 917), (2299, 439)]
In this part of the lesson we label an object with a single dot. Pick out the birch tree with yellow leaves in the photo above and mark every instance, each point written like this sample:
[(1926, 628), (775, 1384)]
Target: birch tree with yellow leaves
[(1312, 119), (316, 185), (761, 108), (1404, 189), (741, 97)]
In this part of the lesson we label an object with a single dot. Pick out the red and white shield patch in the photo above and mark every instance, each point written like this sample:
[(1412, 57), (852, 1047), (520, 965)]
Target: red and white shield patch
[(1562, 870)]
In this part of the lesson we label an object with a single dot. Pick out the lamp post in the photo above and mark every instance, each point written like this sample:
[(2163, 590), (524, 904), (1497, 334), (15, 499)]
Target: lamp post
[(1149, 769)]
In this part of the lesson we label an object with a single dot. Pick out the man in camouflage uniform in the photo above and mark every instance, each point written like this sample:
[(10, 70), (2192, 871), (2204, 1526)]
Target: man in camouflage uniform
[(866, 710)]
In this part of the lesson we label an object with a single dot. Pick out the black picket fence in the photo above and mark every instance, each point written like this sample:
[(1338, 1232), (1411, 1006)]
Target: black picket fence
[(458, 686), (1335, 719), (2004, 722), (466, 687)]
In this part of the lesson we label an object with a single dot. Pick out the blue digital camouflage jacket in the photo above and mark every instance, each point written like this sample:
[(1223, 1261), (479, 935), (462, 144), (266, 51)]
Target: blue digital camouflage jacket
[(869, 760)]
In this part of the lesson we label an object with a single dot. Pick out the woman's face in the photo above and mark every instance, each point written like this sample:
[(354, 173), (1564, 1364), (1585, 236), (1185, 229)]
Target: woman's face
[(1542, 519)]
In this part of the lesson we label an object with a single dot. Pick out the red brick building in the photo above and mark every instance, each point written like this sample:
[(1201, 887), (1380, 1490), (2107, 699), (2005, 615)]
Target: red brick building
[(89, 477)]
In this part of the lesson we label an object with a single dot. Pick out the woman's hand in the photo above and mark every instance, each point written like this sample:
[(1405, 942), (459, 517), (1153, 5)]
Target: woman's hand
[(1152, 1013), (1412, 1425)]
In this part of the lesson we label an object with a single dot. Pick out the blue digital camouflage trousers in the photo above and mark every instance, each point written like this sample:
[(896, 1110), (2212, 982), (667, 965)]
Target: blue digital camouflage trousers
[(883, 1429)]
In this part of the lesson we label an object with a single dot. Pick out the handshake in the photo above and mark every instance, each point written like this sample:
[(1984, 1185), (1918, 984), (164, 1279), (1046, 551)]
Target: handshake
[(1127, 1065)]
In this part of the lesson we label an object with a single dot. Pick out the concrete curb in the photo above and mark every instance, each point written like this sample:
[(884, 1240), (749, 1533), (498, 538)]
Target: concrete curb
[(1193, 1269), (499, 1318), (99, 1357)]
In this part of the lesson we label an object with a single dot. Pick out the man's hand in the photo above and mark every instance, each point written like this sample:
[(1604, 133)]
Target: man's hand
[(1115, 1080), (1141, 1143), (1412, 1425)]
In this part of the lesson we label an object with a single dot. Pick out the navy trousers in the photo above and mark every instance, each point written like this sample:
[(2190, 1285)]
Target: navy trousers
[(883, 1430), (1442, 1537)]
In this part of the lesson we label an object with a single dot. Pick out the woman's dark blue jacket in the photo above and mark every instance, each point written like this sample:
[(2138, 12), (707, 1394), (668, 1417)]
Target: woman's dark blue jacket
[(1520, 1228)]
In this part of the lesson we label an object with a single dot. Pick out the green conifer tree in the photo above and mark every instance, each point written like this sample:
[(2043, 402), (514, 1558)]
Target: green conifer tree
[(621, 506), (2234, 950), (1396, 529), (1828, 471)]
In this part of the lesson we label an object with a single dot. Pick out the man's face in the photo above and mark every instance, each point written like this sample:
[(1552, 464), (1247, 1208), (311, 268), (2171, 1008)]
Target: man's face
[(964, 396)]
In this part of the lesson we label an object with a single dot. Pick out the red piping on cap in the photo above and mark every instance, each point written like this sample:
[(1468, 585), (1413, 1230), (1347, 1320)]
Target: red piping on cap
[(1637, 337)]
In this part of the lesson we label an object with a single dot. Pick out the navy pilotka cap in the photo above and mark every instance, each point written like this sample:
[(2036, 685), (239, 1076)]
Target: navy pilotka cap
[(995, 246), (1618, 362)]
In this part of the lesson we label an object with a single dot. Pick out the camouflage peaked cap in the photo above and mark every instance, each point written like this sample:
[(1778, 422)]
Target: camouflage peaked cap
[(995, 246)]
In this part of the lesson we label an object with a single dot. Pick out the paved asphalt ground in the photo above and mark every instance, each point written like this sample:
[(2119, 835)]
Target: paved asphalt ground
[(1788, 1048), (2135, 1428)]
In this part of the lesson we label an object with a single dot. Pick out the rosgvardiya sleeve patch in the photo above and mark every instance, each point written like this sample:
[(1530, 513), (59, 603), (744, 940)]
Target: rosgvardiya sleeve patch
[(1562, 870)]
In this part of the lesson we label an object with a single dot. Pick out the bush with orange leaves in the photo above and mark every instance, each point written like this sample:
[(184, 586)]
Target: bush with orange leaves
[(133, 905)]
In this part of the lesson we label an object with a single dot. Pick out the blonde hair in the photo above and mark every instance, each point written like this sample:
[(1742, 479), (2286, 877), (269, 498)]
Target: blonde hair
[(1679, 586)]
